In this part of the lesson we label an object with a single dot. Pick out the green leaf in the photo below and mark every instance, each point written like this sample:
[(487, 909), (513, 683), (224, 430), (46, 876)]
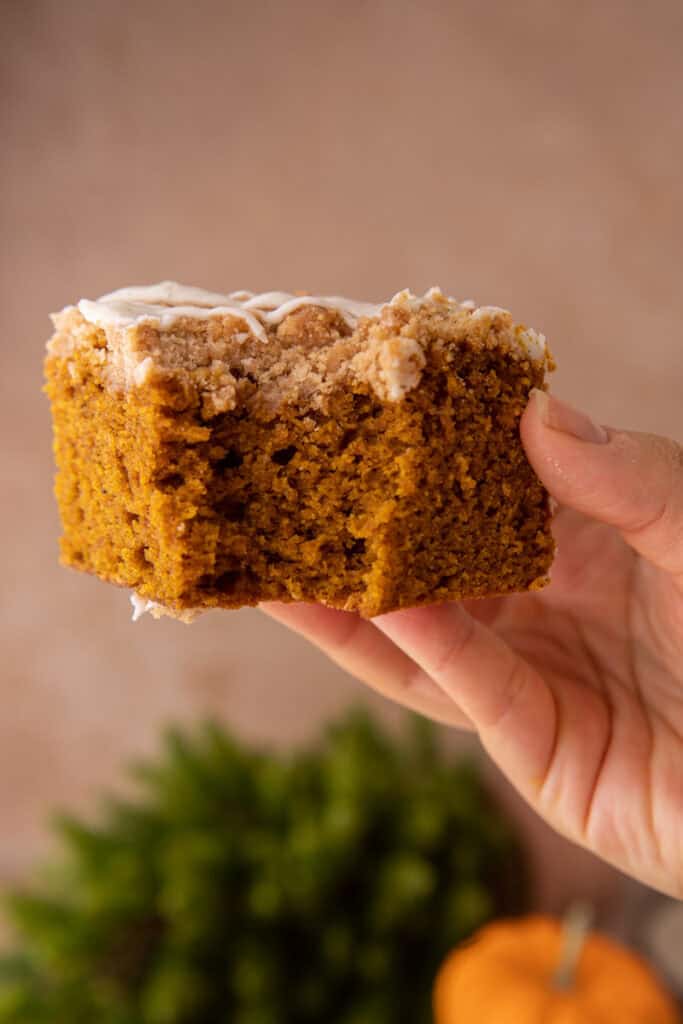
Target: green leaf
[(245, 887)]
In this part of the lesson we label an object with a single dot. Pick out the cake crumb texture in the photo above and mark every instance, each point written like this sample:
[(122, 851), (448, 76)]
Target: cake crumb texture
[(370, 462)]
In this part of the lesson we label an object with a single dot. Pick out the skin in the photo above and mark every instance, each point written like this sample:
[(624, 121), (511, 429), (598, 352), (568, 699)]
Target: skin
[(575, 691)]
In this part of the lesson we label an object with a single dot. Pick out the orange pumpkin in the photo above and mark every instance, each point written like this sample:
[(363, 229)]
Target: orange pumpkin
[(508, 974)]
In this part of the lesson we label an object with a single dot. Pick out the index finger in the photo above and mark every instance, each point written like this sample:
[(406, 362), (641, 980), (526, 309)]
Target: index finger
[(357, 646)]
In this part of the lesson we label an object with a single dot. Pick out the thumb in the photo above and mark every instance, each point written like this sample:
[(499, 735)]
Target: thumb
[(628, 480)]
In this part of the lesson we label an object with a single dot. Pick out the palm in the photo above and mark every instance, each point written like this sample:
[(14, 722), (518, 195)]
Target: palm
[(597, 638), (597, 734)]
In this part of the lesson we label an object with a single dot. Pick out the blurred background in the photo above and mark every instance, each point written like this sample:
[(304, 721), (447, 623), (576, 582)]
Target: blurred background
[(526, 155)]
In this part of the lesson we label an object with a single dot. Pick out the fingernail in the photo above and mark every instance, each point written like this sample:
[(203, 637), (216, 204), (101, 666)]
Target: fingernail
[(559, 416)]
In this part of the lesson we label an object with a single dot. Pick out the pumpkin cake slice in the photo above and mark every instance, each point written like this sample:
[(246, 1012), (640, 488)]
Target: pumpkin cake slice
[(221, 450)]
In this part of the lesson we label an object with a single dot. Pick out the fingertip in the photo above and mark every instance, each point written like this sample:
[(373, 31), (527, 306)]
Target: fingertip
[(275, 609), (533, 421), (538, 402), (569, 452), (316, 622), (537, 405), (551, 413), (289, 613)]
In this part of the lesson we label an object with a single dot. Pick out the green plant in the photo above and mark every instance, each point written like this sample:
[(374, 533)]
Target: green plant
[(246, 888)]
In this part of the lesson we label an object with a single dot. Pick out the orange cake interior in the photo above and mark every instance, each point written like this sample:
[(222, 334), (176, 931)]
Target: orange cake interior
[(222, 450)]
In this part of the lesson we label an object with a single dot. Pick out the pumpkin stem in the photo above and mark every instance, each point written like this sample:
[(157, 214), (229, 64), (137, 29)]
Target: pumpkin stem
[(575, 929)]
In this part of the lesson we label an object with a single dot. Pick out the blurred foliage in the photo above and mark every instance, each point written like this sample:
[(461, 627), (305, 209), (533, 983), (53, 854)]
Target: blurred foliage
[(246, 888)]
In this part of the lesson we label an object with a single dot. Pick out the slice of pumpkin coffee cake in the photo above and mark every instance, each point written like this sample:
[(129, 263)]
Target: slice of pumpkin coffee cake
[(220, 450)]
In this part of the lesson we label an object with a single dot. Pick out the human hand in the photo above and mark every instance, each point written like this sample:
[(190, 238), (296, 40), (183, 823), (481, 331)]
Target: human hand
[(575, 691)]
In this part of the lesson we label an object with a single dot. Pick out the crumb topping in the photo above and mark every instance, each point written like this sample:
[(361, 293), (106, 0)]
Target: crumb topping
[(295, 347)]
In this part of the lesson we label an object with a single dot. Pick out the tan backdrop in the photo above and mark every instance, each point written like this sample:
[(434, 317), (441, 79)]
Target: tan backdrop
[(522, 154)]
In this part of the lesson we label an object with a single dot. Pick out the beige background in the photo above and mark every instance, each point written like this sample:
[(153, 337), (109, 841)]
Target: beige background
[(522, 154)]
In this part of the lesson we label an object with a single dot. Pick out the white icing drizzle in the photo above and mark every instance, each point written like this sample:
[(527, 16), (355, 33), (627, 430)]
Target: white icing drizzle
[(533, 341), (164, 303), (141, 605)]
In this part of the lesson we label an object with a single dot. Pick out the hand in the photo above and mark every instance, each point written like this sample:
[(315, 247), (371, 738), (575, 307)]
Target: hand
[(575, 691)]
